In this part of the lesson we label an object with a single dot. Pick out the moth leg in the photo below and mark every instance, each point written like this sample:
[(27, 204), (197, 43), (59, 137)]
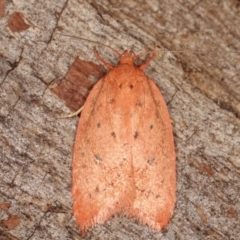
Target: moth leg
[(73, 114), (149, 60), (108, 65)]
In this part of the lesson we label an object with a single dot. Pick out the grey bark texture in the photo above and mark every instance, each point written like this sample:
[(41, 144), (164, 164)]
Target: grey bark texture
[(199, 79)]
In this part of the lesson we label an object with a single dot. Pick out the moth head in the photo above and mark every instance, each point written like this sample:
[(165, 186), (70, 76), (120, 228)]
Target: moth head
[(128, 57)]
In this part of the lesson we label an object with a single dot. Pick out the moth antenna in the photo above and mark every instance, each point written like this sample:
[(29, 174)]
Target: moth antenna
[(165, 50), (196, 51), (141, 54), (88, 40)]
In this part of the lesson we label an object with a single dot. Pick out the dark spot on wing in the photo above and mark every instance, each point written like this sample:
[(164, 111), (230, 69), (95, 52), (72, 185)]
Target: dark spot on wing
[(135, 135), (82, 154), (112, 101), (99, 125), (112, 184), (131, 86), (138, 103), (97, 189), (120, 86), (97, 159), (151, 126), (150, 160), (113, 134)]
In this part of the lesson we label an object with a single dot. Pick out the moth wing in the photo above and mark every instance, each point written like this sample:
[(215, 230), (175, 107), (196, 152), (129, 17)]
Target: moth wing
[(102, 170), (153, 159)]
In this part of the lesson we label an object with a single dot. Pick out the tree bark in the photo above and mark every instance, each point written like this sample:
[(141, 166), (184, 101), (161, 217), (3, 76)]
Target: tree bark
[(197, 70)]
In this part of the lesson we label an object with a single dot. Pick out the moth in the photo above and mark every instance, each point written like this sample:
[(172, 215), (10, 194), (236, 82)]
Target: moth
[(124, 156)]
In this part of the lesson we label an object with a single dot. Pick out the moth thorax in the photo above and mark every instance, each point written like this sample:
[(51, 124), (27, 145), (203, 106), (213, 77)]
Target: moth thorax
[(127, 60)]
